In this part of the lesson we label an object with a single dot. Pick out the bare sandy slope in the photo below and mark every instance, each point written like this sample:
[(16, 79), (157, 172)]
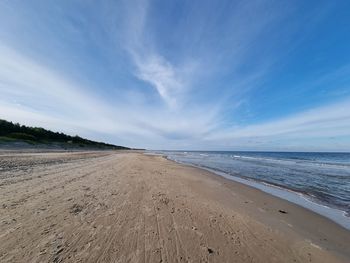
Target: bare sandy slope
[(129, 207)]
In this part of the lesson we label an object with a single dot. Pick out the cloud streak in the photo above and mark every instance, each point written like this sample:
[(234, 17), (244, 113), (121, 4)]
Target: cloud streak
[(143, 77), (161, 75), (35, 95), (168, 80), (318, 124)]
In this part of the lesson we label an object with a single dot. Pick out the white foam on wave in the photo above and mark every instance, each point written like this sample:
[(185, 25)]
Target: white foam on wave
[(274, 160), (289, 161)]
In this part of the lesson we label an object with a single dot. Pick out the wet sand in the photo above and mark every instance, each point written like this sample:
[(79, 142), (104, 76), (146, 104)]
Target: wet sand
[(131, 207)]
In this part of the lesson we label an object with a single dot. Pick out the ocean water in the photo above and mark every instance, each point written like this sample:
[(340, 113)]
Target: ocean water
[(322, 178)]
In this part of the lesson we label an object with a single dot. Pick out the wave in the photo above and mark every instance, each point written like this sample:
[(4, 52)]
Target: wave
[(294, 160)]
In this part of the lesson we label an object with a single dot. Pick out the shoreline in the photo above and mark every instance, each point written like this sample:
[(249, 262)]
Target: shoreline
[(128, 206), (229, 180), (334, 214)]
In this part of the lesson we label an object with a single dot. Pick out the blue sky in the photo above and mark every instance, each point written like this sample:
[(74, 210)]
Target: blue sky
[(203, 75)]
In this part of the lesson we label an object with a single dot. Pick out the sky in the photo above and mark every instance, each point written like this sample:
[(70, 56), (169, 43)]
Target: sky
[(192, 75)]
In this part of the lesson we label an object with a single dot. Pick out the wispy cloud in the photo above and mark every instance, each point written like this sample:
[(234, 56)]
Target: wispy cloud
[(161, 75), (36, 95), (318, 124), (168, 80), (133, 73)]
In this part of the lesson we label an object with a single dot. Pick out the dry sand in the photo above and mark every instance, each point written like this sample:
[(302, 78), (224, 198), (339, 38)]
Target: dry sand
[(130, 207)]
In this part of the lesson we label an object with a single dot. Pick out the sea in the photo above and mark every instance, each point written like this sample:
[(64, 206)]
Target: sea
[(315, 180)]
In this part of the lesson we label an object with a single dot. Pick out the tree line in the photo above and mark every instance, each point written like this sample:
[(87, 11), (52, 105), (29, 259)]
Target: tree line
[(16, 131)]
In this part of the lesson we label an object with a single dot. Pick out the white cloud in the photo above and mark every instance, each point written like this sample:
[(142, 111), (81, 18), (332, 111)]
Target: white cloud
[(33, 94), (170, 81), (162, 75), (191, 116), (321, 122)]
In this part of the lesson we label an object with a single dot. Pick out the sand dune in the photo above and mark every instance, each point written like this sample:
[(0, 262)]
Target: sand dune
[(130, 207)]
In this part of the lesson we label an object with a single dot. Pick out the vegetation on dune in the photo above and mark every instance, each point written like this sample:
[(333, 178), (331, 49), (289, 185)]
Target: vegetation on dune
[(14, 132)]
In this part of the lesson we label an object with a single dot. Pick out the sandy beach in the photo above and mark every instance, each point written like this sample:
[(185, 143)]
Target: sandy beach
[(130, 207)]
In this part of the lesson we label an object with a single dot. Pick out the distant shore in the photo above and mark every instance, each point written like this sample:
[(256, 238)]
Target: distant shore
[(126, 206)]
